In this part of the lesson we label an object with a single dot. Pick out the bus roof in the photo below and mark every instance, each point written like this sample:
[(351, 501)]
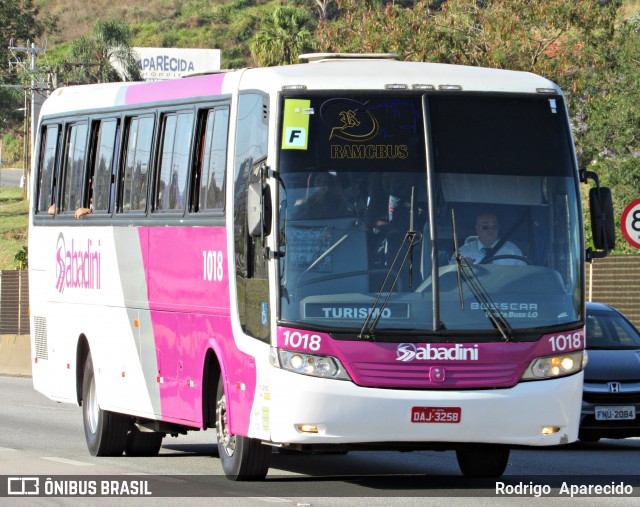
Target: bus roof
[(322, 74), (366, 74)]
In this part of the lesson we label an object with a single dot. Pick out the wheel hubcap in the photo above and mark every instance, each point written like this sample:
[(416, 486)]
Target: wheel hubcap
[(91, 404), (225, 439)]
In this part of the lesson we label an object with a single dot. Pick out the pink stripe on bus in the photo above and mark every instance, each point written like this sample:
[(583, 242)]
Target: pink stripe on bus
[(175, 89)]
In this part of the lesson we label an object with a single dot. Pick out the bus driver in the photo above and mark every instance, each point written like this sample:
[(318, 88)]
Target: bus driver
[(477, 248)]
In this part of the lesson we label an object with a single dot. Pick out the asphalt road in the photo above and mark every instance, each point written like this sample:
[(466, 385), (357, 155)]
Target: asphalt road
[(41, 438)]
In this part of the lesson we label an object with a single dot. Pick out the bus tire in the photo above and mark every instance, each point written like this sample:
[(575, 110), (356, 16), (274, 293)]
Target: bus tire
[(143, 443), (242, 458), (105, 432), (483, 460)]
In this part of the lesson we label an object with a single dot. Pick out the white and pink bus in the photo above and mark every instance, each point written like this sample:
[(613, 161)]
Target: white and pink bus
[(282, 255)]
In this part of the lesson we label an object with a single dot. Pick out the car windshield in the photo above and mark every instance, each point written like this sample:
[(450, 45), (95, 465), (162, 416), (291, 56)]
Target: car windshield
[(609, 330), (373, 188)]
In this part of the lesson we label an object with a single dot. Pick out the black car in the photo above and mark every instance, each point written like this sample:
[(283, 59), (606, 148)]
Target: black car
[(611, 399)]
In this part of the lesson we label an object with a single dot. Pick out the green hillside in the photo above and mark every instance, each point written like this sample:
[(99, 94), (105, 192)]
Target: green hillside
[(222, 24), (219, 24)]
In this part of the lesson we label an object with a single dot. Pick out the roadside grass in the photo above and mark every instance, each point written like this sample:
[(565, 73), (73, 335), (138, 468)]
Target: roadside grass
[(14, 224)]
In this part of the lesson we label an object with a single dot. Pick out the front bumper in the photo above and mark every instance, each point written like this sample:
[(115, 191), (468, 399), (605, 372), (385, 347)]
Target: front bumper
[(344, 413)]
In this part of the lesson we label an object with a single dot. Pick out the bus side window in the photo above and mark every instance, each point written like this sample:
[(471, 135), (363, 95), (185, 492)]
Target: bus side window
[(73, 165), (172, 174), (104, 148), (135, 172), (47, 169), (208, 179)]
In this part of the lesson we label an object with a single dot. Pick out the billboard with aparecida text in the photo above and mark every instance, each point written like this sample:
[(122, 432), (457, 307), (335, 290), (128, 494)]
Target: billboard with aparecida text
[(159, 64)]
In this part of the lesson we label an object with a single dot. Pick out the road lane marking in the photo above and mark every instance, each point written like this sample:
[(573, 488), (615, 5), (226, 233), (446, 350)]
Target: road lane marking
[(170, 480), (68, 461), (270, 499), (64, 409)]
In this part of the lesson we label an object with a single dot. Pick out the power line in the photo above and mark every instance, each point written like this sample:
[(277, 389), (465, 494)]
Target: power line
[(36, 87)]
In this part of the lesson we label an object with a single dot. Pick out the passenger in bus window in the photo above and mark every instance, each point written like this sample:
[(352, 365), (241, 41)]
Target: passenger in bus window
[(324, 198), (52, 209), (356, 193), (481, 246), (82, 211), (378, 201), (400, 202)]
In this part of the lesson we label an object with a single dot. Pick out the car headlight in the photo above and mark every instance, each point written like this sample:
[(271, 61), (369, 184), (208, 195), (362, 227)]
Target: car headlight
[(559, 365), (308, 364)]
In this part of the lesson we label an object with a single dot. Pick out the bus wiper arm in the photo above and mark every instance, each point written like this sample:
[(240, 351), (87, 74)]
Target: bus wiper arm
[(468, 275), (325, 253), (411, 237), (492, 311)]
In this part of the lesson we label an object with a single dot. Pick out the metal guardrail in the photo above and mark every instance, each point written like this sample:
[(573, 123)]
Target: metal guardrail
[(14, 302), (615, 280)]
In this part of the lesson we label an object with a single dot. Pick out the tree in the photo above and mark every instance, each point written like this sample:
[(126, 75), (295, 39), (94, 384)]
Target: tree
[(611, 142), (104, 56), (582, 45), (323, 5), (20, 21), (550, 37), (286, 34)]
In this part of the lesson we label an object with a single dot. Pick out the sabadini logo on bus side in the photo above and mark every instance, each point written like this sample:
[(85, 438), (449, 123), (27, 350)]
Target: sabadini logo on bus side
[(409, 351), (77, 267)]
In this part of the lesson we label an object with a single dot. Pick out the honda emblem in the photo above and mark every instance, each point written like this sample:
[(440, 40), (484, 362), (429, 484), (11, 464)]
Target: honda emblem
[(614, 387)]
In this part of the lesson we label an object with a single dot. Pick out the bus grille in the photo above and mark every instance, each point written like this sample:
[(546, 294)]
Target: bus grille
[(420, 376), (42, 349)]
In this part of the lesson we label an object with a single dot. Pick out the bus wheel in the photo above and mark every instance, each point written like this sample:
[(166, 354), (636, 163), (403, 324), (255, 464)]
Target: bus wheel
[(243, 458), (483, 460), (143, 443), (106, 432)]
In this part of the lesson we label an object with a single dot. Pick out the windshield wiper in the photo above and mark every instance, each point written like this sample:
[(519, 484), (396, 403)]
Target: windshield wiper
[(468, 275), (325, 253), (411, 237)]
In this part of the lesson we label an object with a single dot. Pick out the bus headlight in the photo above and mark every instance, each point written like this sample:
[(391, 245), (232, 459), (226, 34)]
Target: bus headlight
[(308, 364), (556, 366)]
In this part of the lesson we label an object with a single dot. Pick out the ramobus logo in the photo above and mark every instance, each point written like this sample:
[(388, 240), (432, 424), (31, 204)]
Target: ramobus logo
[(77, 267), (410, 351)]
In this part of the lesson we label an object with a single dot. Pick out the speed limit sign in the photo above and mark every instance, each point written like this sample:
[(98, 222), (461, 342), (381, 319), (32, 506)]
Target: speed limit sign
[(630, 223)]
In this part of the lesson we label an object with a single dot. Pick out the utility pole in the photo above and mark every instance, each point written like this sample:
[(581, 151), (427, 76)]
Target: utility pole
[(37, 94)]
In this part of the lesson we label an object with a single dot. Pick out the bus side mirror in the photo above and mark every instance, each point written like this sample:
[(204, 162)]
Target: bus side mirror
[(602, 223), (603, 230), (258, 209)]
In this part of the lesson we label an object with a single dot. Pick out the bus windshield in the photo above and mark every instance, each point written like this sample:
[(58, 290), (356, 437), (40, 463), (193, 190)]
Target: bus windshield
[(377, 190)]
